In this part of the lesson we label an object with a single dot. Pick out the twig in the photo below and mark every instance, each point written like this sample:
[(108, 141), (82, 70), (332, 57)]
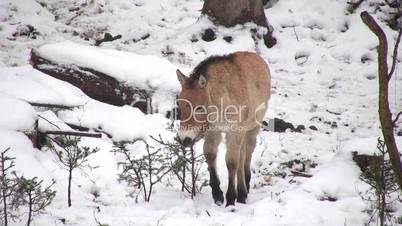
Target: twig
[(300, 174), (72, 133), (52, 105), (49, 122), (83, 128), (397, 117), (395, 56), (294, 30), (332, 112)]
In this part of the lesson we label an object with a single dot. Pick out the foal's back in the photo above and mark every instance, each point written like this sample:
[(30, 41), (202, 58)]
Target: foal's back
[(241, 78)]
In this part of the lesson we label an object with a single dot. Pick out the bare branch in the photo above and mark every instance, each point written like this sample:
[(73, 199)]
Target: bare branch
[(51, 123), (57, 106), (397, 117), (395, 56), (73, 133), (387, 125)]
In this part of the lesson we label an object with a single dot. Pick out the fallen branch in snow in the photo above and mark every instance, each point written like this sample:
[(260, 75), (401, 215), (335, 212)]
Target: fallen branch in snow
[(300, 174), (107, 38), (95, 84), (56, 106), (72, 133), (333, 112), (86, 129), (387, 125)]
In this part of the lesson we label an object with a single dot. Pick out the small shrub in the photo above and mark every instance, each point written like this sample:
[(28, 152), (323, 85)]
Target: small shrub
[(379, 175), (7, 186), (30, 193), (142, 171), (71, 156), (185, 163)]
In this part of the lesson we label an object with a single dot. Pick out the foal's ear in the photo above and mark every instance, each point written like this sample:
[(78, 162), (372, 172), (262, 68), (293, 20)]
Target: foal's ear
[(181, 77), (202, 81)]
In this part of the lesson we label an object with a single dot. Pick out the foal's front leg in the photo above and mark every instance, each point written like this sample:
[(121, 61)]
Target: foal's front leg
[(212, 140), (233, 145)]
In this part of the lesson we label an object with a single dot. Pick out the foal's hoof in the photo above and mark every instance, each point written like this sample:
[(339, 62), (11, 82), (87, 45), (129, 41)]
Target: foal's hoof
[(219, 200), (242, 200), (218, 197), (219, 203), (242, 197), (230, 203)]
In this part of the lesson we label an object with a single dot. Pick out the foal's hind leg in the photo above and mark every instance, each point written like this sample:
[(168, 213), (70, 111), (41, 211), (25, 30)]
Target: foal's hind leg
[(241, 182), (250, 143), (212, 140), (233, 145)]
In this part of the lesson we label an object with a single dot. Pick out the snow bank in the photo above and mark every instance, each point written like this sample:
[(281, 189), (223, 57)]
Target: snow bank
[(141, 70), (15, 114), (123, 123), (34, 86)]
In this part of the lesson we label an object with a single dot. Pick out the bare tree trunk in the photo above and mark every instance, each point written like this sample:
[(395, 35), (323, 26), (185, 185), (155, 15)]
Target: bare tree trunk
[(232, 12), (183, 182), (387, 124), (30, 202), (4, 190), (193, 179), (70, 177)]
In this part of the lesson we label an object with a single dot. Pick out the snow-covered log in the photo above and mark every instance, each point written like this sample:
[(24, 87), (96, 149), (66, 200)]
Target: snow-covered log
[(93, 83), (114, 77)]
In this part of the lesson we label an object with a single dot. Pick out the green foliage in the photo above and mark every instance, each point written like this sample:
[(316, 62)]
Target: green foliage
[(30, 193), (7, 187), (185, 164), (383, 184), (142, 171), (17, 192), (69, 153), (71, 156)]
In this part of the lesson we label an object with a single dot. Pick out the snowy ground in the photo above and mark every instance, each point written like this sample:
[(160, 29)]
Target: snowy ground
[(323, 73)]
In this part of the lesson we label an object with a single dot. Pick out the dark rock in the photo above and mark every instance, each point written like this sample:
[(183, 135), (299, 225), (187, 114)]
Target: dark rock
[(328, 198), (26, 30), (107, 38), (269, 40), (146, 36), (228, 39), (279, 125), (208, 35), (299, 128), (366, 58), (312, 127)]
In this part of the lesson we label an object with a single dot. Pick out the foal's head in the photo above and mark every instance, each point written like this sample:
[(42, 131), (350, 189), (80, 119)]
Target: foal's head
[(192, 103)]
